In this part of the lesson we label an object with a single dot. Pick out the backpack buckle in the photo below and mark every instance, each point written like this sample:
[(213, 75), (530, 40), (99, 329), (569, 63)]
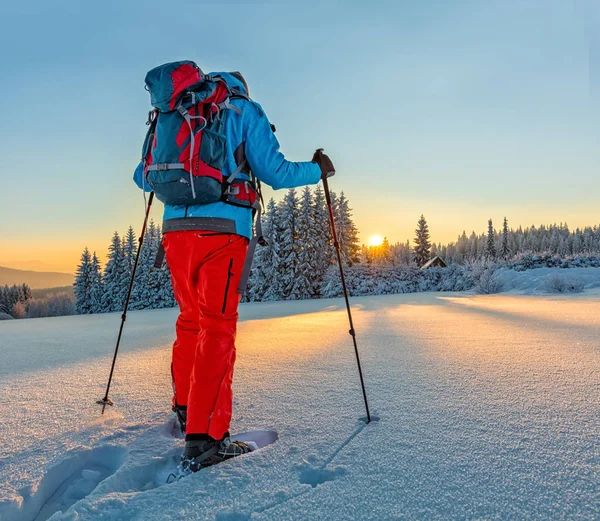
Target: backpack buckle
[(232, 190)]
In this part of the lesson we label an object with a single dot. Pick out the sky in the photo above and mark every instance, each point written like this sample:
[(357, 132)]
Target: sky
[(461, 111)]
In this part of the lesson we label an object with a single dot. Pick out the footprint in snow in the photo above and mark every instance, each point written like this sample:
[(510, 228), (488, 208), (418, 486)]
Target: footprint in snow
[(314, 475), (63, 485)]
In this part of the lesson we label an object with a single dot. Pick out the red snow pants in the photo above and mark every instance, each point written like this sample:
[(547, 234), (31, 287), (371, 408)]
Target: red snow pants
[(206, 268)]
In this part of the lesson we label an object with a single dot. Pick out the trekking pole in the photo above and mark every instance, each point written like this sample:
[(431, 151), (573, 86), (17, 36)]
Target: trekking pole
[(339, 258), (106, 400)]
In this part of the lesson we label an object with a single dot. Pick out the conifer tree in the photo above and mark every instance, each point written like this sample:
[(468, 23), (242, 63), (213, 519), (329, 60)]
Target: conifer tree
[(96, 289), (323, 253), (114, 273), (143, 292), (347, 232), (491, 241), (83, 284), (165, 295), (265, 271), (505, 252), (422, 245), (305, 230), (26, 290), (288, 212), (129, 253)]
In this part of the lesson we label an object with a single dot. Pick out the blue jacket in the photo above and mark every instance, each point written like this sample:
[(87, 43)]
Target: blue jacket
[(267, 163)]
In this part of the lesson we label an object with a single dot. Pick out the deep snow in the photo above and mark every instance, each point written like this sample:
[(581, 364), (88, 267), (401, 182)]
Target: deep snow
[(489, 409)]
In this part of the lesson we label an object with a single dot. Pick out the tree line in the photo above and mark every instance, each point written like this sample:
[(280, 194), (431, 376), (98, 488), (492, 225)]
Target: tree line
[(18, 302), (13, 300), (103, 290), (293, 265), (493, 246), (298, 261)]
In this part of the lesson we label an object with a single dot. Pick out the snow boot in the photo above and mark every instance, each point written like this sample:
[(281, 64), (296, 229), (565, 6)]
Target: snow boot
[(203, 451), (181, 412)]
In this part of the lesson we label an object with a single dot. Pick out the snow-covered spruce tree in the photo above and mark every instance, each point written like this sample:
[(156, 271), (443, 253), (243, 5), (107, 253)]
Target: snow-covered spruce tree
[(129, 253), (166, 297), (422, 245), (462, 249), (96, 289), (143, 291), (114, 274), (490, 249), (323, 253), (83, 284), (129, 249), (26, 291), (158, 296), (288, 250), (265, 272), (505, 251), (347, 232), (305, 232)]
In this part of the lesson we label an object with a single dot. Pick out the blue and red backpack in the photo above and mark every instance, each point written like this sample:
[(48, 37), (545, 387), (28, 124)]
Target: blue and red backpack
[(185, 146)]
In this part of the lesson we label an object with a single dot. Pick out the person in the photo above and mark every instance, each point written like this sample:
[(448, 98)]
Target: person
[(206, 248)]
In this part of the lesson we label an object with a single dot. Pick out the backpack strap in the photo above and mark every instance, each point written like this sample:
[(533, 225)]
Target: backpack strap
[(226, 104), (257, 238), (188, 119)]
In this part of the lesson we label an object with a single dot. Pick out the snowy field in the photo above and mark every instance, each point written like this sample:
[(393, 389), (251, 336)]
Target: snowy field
[(489, 407)]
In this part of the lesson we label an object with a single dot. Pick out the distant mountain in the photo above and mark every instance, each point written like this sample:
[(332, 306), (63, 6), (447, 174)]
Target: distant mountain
[(33, 265), (34, 279)]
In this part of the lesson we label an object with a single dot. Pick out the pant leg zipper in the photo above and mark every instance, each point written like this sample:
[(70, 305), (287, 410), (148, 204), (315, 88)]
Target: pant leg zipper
[(229, 275)]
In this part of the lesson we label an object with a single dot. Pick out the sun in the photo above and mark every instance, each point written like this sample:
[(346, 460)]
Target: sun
[(375, 240)]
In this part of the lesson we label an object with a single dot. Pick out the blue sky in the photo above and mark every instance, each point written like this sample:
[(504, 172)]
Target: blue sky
[(460, 110)]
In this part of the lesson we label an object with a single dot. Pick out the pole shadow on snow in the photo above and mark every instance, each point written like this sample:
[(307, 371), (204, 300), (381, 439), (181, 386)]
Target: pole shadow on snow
[(311, 472)]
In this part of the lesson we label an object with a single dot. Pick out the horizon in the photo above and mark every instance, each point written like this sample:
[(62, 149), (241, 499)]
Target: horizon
[(458, 112), (37, 265)]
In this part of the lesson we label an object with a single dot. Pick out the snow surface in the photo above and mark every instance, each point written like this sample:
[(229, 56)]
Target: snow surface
[(489, 409)]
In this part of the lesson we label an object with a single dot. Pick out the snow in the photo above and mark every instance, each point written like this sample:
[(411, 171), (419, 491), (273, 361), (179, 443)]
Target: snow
[(488, 405), (538, 281)]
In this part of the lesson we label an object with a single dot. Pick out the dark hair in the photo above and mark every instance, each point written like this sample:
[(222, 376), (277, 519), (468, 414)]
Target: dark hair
[(238, 75)]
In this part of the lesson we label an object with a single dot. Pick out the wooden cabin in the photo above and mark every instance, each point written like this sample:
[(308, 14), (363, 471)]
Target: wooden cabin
[(436, 262)]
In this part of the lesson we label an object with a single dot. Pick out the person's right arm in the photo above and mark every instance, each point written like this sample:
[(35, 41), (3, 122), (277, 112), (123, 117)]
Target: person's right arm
[(266, 161)]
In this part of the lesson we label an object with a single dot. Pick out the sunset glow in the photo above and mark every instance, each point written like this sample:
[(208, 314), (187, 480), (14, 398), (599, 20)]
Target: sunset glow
[(375, 240)]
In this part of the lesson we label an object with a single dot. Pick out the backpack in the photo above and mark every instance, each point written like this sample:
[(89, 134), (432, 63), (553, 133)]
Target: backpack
[(185, 146)]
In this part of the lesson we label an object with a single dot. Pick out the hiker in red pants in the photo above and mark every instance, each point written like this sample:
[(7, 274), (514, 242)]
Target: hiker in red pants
[(207, 149)]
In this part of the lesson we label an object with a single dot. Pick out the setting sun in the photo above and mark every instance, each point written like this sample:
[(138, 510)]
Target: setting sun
[(375, 240)]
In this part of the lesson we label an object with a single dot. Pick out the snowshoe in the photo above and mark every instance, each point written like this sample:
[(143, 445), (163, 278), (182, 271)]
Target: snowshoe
[(206, 451)]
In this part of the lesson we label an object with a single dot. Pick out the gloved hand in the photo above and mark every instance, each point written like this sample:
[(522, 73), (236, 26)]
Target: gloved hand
[(322, 159)]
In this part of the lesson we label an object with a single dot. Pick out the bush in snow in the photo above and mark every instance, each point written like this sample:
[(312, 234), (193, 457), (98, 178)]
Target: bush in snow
[(5, 316), (18, 310), (37, 308), (60, 305), (488, 284), (369, 279), (562, 284)]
